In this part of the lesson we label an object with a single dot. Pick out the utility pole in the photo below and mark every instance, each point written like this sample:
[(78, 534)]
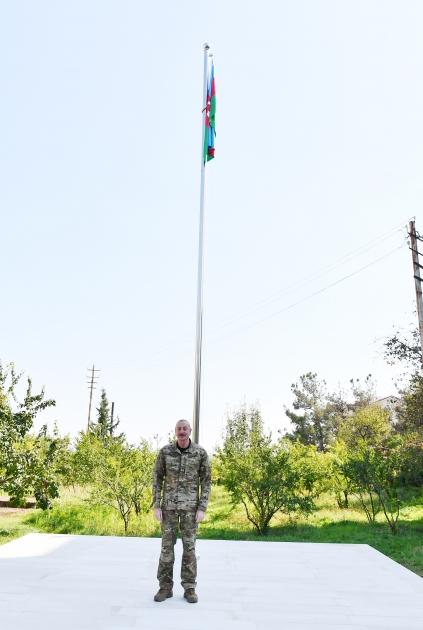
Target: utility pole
[(414, 238), (91, 387), (111, 417)]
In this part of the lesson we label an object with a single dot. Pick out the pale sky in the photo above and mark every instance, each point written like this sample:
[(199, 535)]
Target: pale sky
[(319, 152)]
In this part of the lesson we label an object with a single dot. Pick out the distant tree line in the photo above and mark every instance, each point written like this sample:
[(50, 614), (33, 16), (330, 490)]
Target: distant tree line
[(114, 472), (344, 442)]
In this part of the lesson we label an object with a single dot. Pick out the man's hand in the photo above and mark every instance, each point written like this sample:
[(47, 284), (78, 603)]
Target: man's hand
[(159, 516), (199, 516)]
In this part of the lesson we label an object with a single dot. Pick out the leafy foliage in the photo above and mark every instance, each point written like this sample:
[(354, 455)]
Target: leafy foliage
[(118, 474), (359, 469), (369, 425), (323, 412), (27, 462), (266, 477), (317, 424), (341, 442), (378, 463), (404, 348), (106, 424), (340, 485)]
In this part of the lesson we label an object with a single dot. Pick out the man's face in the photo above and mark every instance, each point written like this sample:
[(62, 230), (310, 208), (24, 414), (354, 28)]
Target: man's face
[(182, 431)]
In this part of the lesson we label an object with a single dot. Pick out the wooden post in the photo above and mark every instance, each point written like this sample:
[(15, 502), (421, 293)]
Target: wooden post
[(111, 417), (417, 278), (91, 386)]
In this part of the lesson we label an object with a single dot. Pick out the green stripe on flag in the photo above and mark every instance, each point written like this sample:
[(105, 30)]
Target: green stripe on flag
[(213, 113)]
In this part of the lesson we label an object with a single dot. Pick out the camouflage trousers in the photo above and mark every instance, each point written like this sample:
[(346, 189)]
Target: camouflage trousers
[(186, 521)]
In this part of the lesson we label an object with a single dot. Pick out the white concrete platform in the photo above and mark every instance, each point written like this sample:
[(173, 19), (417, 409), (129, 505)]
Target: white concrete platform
[(69, 582)]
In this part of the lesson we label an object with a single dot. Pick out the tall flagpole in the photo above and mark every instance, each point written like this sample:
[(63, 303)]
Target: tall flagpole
[(200, 281)]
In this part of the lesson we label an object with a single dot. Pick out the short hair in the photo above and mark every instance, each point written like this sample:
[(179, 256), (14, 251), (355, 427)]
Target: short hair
[(183, 421)]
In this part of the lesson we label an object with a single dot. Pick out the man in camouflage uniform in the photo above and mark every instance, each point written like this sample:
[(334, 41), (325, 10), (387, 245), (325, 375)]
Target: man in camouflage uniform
[(182, 466)]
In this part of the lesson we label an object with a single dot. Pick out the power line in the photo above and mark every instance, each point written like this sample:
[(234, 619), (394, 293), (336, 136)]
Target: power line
[(312, 277), (308, 296), (189, 352), (303, 282), (211, 328)]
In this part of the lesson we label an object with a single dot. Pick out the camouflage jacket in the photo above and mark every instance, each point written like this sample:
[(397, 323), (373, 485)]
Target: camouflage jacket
[(182, 474)]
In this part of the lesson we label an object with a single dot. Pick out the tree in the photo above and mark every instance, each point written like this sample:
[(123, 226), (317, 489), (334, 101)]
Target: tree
[(324, 412), (360, 433), (340, 485), (384, 473), (363, 394), (409, 411), (378, 463), (265, 476), (394, 463), (358, 468), (114, 425), (103, 413), (62, 461), (105, 425), (404, 348), (317, 424), (369, 425), (119, 474), (26, 461)]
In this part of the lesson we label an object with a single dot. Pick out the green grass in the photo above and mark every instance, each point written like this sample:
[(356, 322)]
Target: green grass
[(330, 524), (71, 514), (14, 526)]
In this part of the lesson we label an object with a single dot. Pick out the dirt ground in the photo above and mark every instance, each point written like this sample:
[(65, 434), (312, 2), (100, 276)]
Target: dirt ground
[(8, 511)]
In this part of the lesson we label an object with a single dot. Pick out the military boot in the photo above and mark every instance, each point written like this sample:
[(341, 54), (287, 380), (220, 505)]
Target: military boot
[(191, 596), (162, 594)]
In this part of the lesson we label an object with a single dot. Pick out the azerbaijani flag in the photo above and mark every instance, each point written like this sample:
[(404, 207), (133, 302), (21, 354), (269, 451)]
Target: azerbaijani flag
[(210, 118)]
